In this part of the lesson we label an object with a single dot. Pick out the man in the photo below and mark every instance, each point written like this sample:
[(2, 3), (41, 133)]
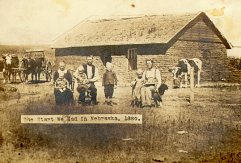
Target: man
[(92, 74), (152, 81)]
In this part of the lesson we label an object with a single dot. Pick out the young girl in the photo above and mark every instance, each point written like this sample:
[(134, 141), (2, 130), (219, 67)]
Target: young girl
[(109, 82), (136, 85)]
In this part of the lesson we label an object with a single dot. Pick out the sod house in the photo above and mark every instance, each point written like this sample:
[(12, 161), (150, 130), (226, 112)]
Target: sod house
[(128, 42)]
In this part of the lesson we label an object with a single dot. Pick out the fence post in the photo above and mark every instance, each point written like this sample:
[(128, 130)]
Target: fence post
[(191, 85)]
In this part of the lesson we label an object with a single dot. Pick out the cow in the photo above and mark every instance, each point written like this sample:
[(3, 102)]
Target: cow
[(182, 71), (197, 65)]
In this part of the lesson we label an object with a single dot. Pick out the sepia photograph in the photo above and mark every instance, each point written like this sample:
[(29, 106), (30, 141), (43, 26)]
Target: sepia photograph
[(124, 81)]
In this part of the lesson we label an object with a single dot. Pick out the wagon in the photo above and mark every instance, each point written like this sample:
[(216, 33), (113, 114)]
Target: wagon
[(46, 66)]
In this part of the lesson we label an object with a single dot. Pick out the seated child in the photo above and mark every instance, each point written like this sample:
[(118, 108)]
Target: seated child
[(109, 82), (83, 84), (63, 95), (136, 85)]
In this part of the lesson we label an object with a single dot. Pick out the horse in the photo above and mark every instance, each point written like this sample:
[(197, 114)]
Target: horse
[(28, 67), (38, 63), (9, 63)]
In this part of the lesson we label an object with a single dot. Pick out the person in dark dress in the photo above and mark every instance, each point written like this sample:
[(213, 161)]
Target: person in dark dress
[(62, 86), (63, 95)]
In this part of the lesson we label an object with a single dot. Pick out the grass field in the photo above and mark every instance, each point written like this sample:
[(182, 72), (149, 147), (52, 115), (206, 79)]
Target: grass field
[(208, 130)]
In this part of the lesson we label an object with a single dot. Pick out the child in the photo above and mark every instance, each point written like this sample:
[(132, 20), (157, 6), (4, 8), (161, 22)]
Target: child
[(109, 82), (136, 85), (63, 95), (83, 84)]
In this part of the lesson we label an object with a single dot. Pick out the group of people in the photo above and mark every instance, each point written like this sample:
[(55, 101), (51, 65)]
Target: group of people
[(147, 88), (85, 77)]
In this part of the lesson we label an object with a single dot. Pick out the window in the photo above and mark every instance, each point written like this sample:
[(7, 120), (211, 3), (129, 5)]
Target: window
[(132, 59)]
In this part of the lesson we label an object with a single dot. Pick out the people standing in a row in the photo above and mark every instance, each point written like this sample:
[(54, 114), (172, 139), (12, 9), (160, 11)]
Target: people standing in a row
[(146, 87)]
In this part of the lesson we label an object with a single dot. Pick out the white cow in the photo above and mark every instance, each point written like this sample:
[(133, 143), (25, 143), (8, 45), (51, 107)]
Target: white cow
[(197, 65), (182, 71)]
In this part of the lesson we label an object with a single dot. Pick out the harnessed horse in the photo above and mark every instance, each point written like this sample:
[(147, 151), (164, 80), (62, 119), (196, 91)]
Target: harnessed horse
[(28, 66), (9, 63)]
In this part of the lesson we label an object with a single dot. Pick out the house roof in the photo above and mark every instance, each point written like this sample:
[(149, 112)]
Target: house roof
[(132, 30)]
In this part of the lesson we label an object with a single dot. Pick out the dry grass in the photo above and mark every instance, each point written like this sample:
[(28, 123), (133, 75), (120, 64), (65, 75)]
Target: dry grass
[(212, 123)]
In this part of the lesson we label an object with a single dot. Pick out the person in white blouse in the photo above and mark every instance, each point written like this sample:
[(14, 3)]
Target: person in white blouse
[(152, 81), (92, 74)]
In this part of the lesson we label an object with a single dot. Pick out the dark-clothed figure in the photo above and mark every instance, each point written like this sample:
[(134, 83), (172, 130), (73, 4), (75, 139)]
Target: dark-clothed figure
[(157, 95), (63, 95), (109, 82), (62, 82), (92, 74)]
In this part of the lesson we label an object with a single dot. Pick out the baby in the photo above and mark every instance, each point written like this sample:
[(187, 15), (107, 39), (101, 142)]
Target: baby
[(136, 85), (61, 84)]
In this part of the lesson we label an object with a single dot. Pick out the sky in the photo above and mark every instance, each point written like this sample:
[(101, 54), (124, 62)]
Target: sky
[(42, 21)]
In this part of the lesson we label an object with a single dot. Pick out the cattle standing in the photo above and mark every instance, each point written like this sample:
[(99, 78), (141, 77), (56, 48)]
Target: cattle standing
[(197, 65), (182, 71)]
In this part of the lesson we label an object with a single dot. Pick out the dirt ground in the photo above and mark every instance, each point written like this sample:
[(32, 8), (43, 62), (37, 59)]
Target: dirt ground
[(208, 130)]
